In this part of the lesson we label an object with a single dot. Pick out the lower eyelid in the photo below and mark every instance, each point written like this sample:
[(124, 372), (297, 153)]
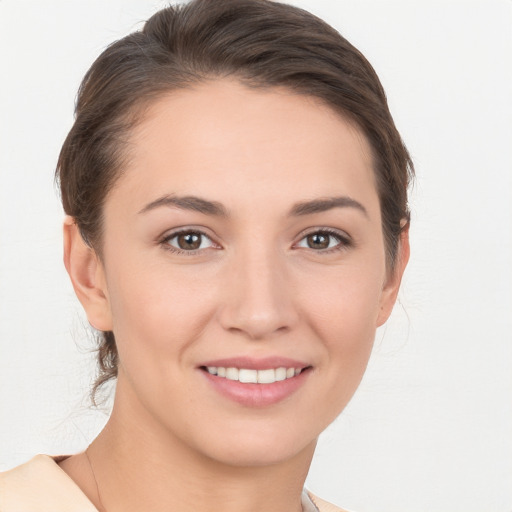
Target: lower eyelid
[(165, 241), (342, 239)]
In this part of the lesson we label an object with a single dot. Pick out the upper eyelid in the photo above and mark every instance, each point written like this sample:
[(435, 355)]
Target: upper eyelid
[(164, 242), (167, 236), (324, 229), (345, 241), (171, 233), (335, 232)]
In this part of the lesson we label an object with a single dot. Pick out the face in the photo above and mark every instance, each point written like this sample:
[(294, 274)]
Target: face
[(243, 271)]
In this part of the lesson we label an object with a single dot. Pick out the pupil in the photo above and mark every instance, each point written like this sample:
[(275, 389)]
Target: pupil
[(189, 241), (318, 241)]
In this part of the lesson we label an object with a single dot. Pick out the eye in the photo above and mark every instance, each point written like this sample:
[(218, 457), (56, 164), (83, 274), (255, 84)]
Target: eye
[(188, 241), (322, 240)]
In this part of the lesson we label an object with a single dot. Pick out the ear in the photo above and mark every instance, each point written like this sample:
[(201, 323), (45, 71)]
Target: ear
[(87, 276), (390, 290)]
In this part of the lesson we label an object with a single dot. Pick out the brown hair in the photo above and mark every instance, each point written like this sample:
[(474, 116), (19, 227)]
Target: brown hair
[(259, 42)]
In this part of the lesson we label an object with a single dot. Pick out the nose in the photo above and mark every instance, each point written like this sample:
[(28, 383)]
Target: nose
[(258, 296)]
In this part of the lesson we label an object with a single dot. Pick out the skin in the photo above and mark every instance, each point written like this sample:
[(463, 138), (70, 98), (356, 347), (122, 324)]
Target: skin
[(254, 288)]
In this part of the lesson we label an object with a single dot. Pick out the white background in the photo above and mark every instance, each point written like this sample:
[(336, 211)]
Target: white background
[(430, 428)]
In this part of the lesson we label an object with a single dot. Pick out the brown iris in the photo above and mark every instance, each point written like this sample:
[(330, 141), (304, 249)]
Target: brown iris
[(189, 241), (318, 241)]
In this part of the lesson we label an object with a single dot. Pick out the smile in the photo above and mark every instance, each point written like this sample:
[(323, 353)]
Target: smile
[(251, 376), (256, 381)]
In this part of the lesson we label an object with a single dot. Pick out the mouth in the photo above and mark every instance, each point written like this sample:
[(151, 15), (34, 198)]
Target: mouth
[(253, 376), (256, 383)]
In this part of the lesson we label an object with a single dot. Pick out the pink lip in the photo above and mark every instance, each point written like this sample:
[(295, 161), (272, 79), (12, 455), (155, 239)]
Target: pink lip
[(256, 395), (252, 363)]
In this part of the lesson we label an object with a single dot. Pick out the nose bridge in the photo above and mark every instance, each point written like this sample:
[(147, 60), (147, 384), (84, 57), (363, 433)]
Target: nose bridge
[(258, 299)]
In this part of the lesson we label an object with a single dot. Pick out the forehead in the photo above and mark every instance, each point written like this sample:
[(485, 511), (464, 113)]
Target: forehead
[(236, 143)]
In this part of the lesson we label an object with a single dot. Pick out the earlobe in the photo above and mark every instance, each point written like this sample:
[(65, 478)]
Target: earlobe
[(87, 276), (392, 286)]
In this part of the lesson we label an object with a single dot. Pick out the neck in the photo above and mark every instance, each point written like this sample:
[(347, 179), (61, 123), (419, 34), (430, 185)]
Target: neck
[(143, 467)]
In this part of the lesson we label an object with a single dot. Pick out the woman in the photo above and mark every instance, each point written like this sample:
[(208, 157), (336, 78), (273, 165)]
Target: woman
[(237, 228)]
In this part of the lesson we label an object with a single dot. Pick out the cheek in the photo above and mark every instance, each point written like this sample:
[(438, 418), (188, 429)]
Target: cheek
[(344, 305), (156, 311), (342, 310)]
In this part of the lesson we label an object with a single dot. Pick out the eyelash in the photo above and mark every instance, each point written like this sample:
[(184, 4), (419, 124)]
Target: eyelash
[(344, 241), (165, 241)]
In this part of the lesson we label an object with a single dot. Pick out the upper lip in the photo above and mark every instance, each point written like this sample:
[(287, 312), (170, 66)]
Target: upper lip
[(251, 363)]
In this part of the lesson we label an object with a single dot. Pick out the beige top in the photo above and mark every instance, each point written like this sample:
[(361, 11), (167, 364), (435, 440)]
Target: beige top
[(40, 485)]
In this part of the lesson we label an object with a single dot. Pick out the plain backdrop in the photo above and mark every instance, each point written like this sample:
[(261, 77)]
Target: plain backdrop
[(430, 428)]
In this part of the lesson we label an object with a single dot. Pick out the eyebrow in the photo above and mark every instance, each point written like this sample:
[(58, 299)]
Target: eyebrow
[(325, 204), (215, 208), (193, 203)]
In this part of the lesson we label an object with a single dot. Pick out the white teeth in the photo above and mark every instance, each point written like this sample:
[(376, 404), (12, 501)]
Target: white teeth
[(232, 373), (266, 376), (248, 375), (245, 375), (281, 374)]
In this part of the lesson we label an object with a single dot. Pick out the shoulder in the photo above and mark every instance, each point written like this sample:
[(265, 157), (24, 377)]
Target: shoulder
[(322, 505), (41, 486)]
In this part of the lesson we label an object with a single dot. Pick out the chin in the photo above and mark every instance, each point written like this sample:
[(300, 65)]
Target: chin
[(259, 447)]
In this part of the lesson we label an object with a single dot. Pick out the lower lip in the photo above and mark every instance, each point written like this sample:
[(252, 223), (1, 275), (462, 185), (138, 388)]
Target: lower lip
[(257, 395)]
